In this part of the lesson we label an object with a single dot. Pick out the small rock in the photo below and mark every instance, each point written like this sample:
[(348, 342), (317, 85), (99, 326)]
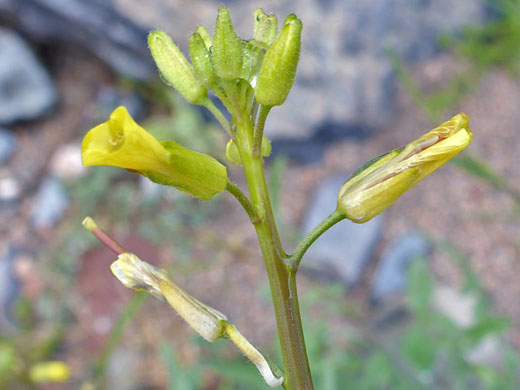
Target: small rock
[(458, 307), (344, 251), (10, 285), (7, 145), (66, 162), (9, 189), (85, 24), (50, 203), (26, 89), (390, 277), (123, 363)]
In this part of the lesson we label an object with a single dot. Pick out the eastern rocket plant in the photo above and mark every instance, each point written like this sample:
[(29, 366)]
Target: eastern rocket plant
[(250, 77)]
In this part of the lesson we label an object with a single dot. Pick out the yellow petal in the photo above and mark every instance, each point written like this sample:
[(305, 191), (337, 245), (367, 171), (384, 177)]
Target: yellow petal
[(45, 372), (121, 142)]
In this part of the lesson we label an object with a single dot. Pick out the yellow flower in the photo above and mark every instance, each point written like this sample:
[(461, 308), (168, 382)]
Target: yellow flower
[(379, 183), (46, 372), (121, 142)]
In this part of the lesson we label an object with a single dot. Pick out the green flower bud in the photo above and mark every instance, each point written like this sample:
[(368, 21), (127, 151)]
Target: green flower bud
[(227, 48), (201, 30), (278, 68), (175, 68), (201, 61), (233, 156), (265, 27)]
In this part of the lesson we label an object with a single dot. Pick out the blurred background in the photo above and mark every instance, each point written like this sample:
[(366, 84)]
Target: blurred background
[(425, 296)]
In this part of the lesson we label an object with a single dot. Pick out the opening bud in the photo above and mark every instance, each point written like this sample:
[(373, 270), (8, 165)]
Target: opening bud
[(278, 68), (378, 184), (265, 27), (175, 68)]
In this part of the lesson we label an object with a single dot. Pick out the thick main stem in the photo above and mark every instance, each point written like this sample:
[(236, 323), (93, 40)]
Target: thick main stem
[(281, 280)]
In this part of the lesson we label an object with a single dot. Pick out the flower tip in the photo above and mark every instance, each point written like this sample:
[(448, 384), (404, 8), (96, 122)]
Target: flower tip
[(89, 224)]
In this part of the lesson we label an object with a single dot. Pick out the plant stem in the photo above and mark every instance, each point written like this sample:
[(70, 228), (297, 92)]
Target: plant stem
[(282, 282), (244, 201), (324, 225), (218, 116), (259, 131)]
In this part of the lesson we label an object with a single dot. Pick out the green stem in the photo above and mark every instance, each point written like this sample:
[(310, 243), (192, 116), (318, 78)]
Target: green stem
[(324, 225), (259, 131), (244, 201), (218, 115), (297, 374)]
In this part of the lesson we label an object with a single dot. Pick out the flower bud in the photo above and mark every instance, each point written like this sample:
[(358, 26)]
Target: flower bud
[(278, 68), (121, 142), (379, 183), (141, 276), (175, 68), (201, 61), (203, 32), (265, 27), (227, 48), (233, 156)]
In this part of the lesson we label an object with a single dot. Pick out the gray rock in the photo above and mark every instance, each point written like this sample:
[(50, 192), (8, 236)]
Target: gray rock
[(345, 78), (109, 98), (89, 24), (50, 203), (7, 145), (390, 277), (344, 251), (10, 285), (26, 90)]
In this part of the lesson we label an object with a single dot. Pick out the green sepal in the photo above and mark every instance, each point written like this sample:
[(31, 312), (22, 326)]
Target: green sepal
[(200, 58), (278, 68), (195, 173), (175, 68), (227, 48)]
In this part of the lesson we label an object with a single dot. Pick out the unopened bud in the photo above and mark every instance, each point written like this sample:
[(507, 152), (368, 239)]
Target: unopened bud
[(175, 68), (201, 61), (233, 156), (378, 184), (278, 68), (227, 48), (203, 32)]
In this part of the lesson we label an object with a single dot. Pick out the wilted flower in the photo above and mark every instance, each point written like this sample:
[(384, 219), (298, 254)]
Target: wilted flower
[(121, 142), (379, 183), (141, 276)]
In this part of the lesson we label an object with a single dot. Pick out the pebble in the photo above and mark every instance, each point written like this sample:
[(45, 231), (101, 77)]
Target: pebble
[(26, 89), (345, 250), (390, 277), (49, 204), (10, 189), (7, 145), (66, 162)]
